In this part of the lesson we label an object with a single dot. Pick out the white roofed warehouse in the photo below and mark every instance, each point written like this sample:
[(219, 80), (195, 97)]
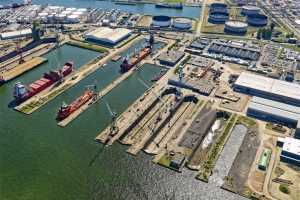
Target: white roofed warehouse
[(268, 88), (108, 36), (16, 34), (291, 151)]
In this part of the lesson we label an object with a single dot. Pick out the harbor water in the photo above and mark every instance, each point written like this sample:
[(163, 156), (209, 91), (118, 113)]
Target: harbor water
[(146, 9), (39, 160)]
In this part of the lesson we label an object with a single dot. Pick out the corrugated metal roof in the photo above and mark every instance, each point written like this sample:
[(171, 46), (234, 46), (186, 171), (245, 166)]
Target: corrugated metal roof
[(269, 85), (291, 145), (276, 108)]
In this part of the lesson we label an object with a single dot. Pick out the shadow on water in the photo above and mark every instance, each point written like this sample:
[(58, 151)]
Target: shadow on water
[(97, 155)]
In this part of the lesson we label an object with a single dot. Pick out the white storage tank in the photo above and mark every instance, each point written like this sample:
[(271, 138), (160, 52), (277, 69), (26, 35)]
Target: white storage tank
[(71, 9), (250, 10), (81, 10), (182, 23), (73, 19), (77, 13), (236, 27)]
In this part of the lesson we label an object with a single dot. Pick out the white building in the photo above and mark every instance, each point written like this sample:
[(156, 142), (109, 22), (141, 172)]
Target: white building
[(107, 35), (269, 88), (290, 151), (16, 34)]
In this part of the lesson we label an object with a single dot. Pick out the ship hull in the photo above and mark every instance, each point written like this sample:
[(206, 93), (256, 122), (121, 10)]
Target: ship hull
[(135, 59), (75, 105), (45, 82)]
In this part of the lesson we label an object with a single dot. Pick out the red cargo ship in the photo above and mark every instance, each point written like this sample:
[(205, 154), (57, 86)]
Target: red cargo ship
[(135, 59), (23, 92), (65, 110)]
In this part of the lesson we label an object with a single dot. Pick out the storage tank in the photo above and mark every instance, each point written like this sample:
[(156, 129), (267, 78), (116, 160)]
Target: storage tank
[(82, 10), (257, 20), (182, 23), (218, 17), (77, 13), (71, 9), (73, 19), (235, 27), (161, 21), (218, 7), (250, 10)]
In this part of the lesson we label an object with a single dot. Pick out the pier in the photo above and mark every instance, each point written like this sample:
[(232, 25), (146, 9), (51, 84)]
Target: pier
[(12, 73)]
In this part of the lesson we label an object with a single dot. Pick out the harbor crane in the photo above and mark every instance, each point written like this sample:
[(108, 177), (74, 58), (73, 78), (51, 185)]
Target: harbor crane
[(93, 87), (113, 126), (19, 52), (178, 93), (157, 95)]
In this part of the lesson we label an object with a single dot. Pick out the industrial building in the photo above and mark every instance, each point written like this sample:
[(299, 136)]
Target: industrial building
[(182, 23), (108, 36), (161, 21), (235, 27), (274, 111), (257, 20), (170, 58), (290, 151), (234, 50), (268, 88), (16, 34)]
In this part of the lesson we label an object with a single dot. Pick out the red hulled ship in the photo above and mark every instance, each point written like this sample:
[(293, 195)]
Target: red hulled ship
[(23, 92), (127, 64), (65, 110)]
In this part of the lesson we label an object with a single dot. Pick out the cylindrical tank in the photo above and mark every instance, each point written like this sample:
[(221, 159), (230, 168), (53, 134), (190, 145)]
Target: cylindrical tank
[(257, 20), (161, 21), (182, 23), (250, 10), (218, 17), (235, 27)]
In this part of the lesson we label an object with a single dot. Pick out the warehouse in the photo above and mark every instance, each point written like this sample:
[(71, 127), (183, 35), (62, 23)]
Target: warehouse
[(233, 50), (274, 111), (16, 34), (268, 88), (290, 151), (108, 36)]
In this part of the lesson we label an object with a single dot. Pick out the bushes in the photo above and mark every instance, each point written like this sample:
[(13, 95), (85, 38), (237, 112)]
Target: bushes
[(284, 189)]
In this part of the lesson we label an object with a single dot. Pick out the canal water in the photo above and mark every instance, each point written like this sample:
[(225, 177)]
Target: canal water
[(147, 9)]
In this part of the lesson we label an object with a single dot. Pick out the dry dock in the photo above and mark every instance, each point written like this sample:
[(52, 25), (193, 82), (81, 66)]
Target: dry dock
[(42, 98), (22, 68)]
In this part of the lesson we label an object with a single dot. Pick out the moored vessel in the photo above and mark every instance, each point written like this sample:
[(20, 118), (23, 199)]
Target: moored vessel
[(23, 92), (65, 110)]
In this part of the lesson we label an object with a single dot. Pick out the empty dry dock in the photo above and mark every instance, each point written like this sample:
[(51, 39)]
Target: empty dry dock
[(198, 129)]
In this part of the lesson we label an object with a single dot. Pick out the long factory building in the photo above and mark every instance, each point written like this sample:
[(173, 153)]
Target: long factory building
[(274, 111), (269, 88)]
